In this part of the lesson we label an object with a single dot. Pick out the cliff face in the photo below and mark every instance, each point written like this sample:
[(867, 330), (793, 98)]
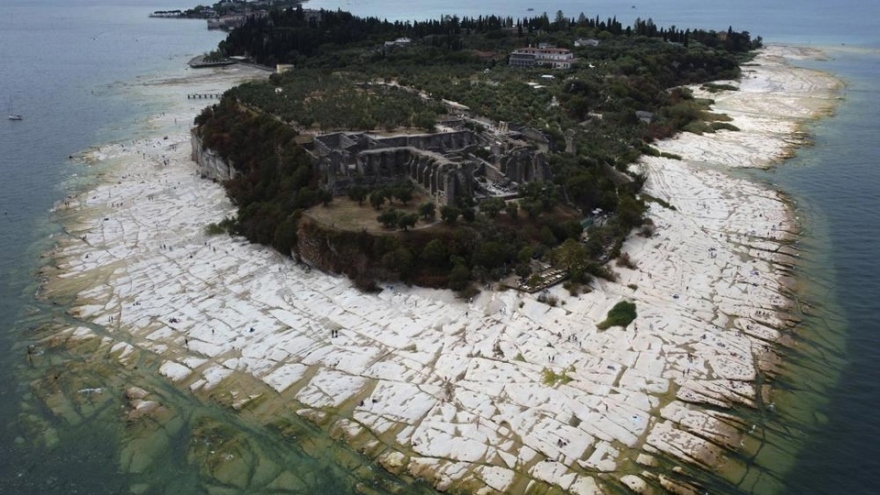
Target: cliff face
[(210, 165), (341, 252)]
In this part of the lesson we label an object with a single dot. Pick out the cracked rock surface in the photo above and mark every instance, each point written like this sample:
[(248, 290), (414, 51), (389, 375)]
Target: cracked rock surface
[(454, 391)]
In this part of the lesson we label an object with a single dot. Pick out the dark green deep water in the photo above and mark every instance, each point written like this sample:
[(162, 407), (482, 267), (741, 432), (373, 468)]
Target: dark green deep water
[(65, 65), (837, 184)]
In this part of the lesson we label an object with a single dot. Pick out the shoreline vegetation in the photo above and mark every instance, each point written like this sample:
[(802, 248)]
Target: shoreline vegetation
[(502, 392)]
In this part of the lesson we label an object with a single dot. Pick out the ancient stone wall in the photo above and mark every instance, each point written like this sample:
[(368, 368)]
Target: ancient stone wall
[(345, 160), (440, 142), (442, 164), (439, 177), (524, 165)]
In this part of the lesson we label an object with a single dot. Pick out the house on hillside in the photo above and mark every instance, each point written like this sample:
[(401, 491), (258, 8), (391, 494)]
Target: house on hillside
[(645, 117), (581, 42), (390, 46), (556, 58)]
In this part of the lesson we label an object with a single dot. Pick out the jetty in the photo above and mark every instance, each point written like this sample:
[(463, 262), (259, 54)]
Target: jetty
[(204, 96), (201, 62)]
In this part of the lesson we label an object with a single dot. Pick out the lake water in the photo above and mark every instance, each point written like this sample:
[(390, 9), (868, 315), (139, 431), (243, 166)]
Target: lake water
[(66, 65)]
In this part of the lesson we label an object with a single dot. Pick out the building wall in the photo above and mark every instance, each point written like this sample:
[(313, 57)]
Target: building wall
[(553, 57)]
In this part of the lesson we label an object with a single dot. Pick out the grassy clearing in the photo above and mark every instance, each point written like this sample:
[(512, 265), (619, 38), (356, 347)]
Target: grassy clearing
[(344, 214), (621, 315)]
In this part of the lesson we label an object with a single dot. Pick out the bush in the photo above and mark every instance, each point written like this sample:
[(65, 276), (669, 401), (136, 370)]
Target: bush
[(651, 199), (602, 271), (407, 220), (621, 315), (358, 193), (697, 127), (459, 277), (214, 229), (428, 211), (492, 207), (625, 261), (717, 88), (718, 126), (225, 226), (389, 218), (449, 214), (550, 377), (468, 292), (468, 214)]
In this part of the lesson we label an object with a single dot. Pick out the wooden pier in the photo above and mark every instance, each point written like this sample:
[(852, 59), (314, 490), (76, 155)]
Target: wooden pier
[(204, 96)]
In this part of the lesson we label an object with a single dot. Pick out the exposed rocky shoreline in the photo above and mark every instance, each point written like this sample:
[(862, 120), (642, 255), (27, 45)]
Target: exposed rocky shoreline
[(502, 393)]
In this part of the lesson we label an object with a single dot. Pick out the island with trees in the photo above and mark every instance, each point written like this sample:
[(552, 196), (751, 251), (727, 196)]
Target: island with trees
[(456, 152)]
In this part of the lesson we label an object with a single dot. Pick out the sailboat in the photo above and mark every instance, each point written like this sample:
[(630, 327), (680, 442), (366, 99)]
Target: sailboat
[(11, 115)]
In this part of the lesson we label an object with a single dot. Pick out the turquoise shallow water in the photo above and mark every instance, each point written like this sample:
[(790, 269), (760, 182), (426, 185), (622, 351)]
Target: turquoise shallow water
[(63, 62), (66, 65), (72, 69)]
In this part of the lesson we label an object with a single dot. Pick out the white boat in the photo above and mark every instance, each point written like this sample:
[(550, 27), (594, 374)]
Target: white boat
[(11, 115)]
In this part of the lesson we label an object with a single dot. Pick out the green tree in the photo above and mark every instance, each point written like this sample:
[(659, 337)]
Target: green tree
[(435, 253), (545, 235), (570, 229), (428, 211), (533, 208), (573, 257), (326, 196), (468, 214), (449, 214), (630, 211), (389, 218), (403, 193), (459, 277), (492, 207), (407, 221), (399, 260), (284, 239), (584, 190), (525, 254), (357, 193), (595, 244), (489, 255), (424, 120), (512, 210), (560, 22), (377, 198)]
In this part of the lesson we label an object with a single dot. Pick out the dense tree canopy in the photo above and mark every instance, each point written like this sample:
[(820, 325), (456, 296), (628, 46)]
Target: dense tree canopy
[(274, 177), (291, 36), (597, 118)]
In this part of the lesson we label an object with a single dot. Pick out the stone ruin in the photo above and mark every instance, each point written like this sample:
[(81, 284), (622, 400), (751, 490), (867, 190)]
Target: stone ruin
[(447, 166), (441, 164)]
